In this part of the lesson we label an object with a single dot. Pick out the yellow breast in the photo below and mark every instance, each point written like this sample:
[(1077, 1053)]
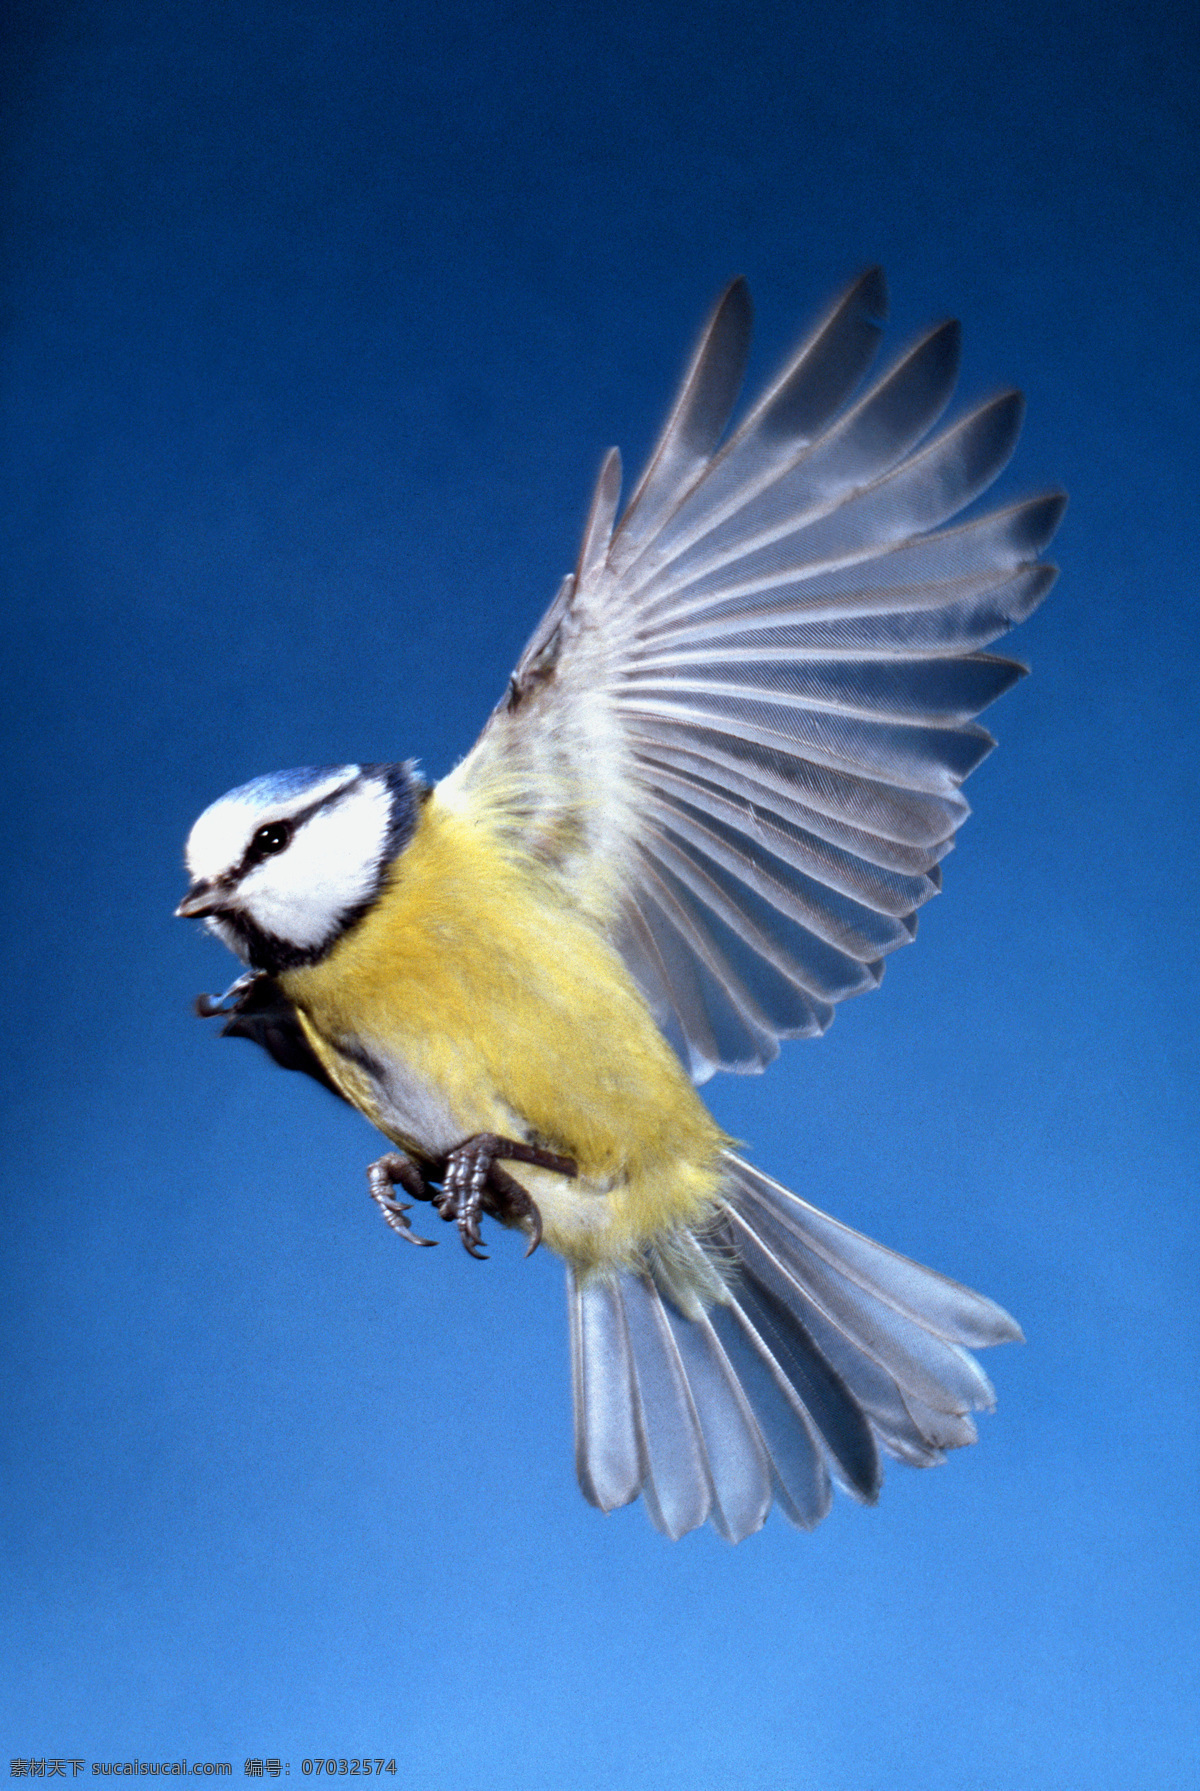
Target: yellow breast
[(474, 973)]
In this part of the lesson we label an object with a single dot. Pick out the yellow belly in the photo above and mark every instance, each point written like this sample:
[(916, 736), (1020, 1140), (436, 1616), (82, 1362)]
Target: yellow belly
[(474, 974)]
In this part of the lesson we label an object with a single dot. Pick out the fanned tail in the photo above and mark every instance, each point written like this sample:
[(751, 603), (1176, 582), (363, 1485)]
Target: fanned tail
[(824, 1348)]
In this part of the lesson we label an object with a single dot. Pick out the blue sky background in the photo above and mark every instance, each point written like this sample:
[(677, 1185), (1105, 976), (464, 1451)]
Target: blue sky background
[(318, 320)]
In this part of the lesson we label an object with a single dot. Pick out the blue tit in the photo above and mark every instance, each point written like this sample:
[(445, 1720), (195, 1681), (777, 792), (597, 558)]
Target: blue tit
[(714, 795)]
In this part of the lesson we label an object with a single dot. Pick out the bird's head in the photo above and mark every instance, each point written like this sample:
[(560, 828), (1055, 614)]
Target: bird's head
[(283, 866)]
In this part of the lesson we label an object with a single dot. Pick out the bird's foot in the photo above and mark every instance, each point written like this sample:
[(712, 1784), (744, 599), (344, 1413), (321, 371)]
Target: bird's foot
[(212, 1007), (473, 1183), (395, 1170)]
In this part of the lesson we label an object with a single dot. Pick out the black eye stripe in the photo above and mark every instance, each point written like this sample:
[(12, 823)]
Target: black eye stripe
[(271, 838), (274, 836), (406, 792)]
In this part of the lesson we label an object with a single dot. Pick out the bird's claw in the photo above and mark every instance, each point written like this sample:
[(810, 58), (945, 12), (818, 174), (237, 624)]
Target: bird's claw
[(468, 1169), (396, 1170), (395, 1213), (518, 1205), (466, 1211), (214, 1007), (473, 1183)]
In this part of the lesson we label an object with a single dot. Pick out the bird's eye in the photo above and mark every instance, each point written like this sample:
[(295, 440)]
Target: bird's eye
[(271, 838)]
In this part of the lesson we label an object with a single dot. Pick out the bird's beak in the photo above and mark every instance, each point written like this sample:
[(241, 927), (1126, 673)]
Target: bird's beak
[(199, 901)]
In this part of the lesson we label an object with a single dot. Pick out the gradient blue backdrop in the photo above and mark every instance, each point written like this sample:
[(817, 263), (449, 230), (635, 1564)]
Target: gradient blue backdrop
[(319, 318)]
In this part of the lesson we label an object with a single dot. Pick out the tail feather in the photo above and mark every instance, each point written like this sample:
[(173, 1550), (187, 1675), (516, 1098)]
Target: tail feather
[(609, 1456), (879, 1395), (738, 1464), (940, 1373), (677, 1428), (678, 1487), (814, 1384), (943, 1307), (799, 1471), (825, 1348)]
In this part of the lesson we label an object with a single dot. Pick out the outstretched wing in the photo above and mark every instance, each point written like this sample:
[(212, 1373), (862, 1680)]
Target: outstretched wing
[(737, 736)]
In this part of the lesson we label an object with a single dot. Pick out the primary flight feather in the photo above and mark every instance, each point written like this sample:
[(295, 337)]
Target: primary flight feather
[(714, 795)]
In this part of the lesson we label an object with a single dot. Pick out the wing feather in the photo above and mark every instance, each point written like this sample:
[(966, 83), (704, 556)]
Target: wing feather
[(696, 424), (738, 735), (809, 392)]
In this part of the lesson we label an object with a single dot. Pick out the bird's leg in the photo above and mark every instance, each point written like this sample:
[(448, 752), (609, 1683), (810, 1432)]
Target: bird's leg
[(395, 1170), (473, 1183)]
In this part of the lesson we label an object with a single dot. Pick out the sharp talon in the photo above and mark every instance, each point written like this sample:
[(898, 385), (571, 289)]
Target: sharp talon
[(473, 1183), (396, 1216), (396, 1170), (405, 1231)]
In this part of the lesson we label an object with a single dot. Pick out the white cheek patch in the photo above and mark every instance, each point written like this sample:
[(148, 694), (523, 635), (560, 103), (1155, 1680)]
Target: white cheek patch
[(330, 868), (220, 837)]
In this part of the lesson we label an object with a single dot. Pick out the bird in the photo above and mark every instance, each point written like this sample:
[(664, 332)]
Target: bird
[(717, 789)]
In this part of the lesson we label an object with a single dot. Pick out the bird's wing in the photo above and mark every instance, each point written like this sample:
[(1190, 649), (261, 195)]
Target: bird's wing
[(737, 736)]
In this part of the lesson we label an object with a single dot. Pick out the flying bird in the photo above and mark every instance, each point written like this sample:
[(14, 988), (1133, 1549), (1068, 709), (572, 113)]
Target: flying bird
[(716, 791)]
